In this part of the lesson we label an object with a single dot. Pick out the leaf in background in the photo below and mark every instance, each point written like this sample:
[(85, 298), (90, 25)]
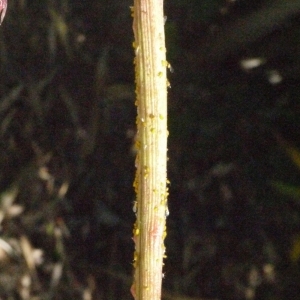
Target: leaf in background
[(62, 29), (205, 10), (287, 189), (295, 249), (294, 154)]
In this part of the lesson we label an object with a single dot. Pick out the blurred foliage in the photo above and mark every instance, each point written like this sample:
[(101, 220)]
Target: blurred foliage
[(293, 192), (67, 158), (204, 11)]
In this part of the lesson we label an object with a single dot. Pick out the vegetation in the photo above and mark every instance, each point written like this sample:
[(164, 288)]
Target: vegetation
[(67, 147), (151, 144)]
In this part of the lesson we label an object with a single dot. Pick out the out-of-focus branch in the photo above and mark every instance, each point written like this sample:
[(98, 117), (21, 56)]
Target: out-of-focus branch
[(247, 30)]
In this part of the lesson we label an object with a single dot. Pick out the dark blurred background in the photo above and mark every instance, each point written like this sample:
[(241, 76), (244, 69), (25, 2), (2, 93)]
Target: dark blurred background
[(67, 129)]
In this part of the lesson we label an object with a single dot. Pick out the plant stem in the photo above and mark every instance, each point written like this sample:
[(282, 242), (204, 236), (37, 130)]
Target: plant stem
[(151, 161)]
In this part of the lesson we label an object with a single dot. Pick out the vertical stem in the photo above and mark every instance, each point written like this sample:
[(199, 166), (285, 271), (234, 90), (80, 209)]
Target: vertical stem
[(151, 175)]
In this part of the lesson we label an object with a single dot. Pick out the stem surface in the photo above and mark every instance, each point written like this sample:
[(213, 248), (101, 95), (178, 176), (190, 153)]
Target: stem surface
[(151, 162)]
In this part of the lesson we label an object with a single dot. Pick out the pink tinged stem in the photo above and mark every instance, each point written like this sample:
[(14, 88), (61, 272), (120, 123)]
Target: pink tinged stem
[(3, 7)]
